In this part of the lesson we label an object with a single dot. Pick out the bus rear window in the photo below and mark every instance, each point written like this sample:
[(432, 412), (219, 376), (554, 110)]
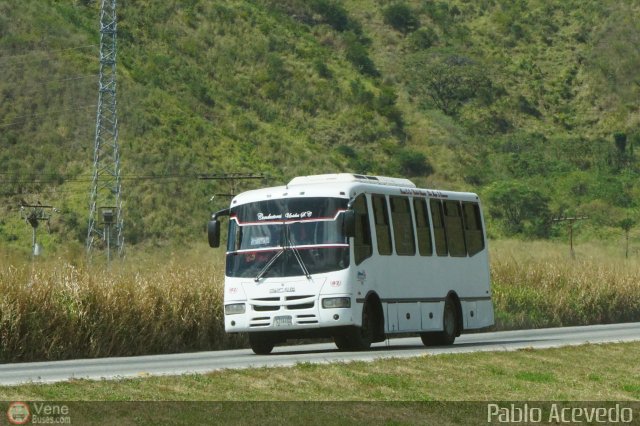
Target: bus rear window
[(473, 228), (455, 231)]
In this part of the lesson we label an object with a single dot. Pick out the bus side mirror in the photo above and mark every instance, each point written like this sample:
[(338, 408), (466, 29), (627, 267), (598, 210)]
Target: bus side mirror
[(213, 228), (213, 232), (349, 223)]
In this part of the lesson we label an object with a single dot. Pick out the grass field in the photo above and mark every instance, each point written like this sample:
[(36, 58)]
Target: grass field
[(587, 372), (172, 302), (581, 373)]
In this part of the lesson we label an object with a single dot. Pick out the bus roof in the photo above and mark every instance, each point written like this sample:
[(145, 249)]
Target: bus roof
[(348, 177), (344, 185)]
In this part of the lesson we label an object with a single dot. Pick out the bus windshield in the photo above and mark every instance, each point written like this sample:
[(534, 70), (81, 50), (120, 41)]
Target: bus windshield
[(310, 228)]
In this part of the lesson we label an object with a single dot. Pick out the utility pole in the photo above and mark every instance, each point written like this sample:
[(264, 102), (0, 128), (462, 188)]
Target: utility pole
[(571, 221), (626, 225), (233, 178), (105, 194), (33, 214)]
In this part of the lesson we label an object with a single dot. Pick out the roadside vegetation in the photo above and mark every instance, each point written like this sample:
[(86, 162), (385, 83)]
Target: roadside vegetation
[(172, 302), (421, 390), (539, 284)]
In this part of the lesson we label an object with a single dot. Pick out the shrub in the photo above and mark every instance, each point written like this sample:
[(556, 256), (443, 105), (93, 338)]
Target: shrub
[(401, 17), (414, 163), (358, 55), (346, 151), (423, 38), (386, 106), (322, 69), (334, 14)]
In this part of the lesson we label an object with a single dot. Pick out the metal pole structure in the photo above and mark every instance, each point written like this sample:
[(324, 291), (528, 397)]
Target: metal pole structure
[(37, 213), (571, 221), (106, 230), (106, 183), (33, 242), (108, 221), (233, 178)]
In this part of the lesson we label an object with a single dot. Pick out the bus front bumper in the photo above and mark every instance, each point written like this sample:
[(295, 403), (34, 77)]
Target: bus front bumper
[(271, 317)]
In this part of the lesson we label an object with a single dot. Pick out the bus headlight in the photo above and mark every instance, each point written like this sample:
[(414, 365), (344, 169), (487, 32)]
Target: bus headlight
[(336, 302), (234, 308)]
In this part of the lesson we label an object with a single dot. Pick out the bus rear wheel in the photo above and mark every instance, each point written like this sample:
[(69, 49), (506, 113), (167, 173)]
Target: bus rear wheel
[(449, 327), (260, 344)]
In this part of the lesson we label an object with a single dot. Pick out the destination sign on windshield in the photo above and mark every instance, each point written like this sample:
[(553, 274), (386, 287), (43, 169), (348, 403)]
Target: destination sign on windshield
[(289, 209)]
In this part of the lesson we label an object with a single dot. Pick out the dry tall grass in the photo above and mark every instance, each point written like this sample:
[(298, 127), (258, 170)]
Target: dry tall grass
[(170, 303), (540, 285), (59, 311)]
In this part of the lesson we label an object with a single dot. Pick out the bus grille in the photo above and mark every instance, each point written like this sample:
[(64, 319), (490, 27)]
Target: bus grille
[(271, 304), (283, 303)]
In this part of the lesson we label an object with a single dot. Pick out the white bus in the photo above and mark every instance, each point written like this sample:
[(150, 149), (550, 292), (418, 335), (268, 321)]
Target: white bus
[(355, 258)]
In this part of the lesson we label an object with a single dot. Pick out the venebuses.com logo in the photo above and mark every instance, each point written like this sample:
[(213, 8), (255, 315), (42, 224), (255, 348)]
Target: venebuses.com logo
[(18, 413), (38, 412)]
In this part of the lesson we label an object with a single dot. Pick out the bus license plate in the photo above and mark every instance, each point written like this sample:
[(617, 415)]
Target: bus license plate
[(284, 320)]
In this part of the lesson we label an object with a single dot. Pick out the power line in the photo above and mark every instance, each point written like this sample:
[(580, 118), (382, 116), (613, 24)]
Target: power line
[(24, 118), (43, 51), (63, 79), (55, 192), (54, 178)]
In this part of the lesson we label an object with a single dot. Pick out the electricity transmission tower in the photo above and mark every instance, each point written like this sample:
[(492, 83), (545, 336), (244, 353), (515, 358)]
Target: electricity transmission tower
[(105, 208)]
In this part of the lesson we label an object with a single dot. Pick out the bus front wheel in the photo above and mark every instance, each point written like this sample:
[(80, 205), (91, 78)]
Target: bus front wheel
[(449, 327), (260, 344), (358, 338)]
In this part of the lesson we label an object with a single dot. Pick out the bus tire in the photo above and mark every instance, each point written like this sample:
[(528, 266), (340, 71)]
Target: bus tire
[(342, 341), (260, 344), (450, 327), (358, 338)]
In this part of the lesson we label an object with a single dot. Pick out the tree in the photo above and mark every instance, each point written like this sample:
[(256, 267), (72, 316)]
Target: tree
[(449, 82), (521, 209)]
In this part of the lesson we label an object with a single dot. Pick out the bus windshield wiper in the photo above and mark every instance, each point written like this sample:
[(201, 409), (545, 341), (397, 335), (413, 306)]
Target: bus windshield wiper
[(296, 253), (288, 245), (269, 264)]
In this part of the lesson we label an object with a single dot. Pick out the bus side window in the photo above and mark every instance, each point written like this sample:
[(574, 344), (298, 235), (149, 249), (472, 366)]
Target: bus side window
[(383, 231), (362, 241), (403, 237), (455, 231), (473, 228), (439, 233), (422, 227)]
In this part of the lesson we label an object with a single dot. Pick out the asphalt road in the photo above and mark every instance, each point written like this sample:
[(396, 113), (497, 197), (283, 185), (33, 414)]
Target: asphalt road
[(202, 362)]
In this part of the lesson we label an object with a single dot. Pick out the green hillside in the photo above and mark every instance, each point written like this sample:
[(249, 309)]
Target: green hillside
[(534, 104)]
